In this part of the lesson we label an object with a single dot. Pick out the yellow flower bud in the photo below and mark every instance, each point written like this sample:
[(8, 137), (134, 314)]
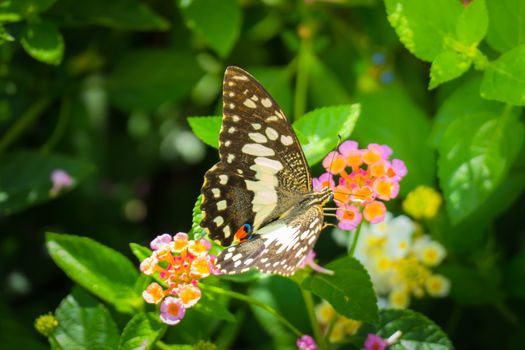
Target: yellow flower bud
[(46, 324), (422, 203)]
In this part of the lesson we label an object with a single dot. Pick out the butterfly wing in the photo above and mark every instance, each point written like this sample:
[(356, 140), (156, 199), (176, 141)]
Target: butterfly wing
[(262, 171), (278, 248)]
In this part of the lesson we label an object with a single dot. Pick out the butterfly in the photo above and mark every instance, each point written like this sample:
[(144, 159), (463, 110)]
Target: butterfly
[(260, 192)]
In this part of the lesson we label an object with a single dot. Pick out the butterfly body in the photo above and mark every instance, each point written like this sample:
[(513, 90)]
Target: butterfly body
[(263, 181)]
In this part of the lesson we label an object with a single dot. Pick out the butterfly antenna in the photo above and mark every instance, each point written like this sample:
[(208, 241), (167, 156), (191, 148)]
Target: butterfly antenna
[(335, 150)]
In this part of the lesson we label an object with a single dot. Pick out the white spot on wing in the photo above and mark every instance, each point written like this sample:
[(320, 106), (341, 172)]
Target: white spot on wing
[(271, 133), (235, 118), (240, 77), (227, 232), (218, 220), (237, 256), (272, 119), (231, 130), (256, 149), (216, 192), (249, 103), (266, 102), (232, 106), (258, 137), (286, 140), (230, 158), (256, 126), (223, 179), (221, 205)]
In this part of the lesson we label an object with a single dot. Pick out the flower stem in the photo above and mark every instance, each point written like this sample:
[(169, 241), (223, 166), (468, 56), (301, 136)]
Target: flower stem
[(318, 335), (22, 123), (356, 238), (255, 302)]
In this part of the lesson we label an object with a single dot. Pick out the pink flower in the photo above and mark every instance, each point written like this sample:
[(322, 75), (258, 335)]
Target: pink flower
[(306, 342), (61, 180), (160, 241), (349, 217), (334, 163), (374, 342), (172, 311), (325, 180), (189, 294), (374, 212), (399, 169)]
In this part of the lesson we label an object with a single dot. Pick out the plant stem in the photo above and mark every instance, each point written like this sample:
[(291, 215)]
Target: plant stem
[(318, 335), (254, 302), (58, 132), (25, 120), (161, 345), (356, 238)]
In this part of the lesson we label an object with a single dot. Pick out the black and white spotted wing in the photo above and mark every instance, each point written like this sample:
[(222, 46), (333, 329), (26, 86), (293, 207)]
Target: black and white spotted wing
[(262, 170), (262, 180)]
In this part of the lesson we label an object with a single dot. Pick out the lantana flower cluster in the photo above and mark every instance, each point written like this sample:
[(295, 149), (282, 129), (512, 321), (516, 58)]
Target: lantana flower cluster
[(399, 260), (339, 326), (361, 179), (179, 263)]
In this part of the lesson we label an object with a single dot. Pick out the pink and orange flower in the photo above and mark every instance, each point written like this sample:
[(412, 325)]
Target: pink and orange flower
[(179, 263), (361, 179)]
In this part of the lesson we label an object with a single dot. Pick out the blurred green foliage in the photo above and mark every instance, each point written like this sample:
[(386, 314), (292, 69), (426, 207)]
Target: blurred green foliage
[(103, 89)]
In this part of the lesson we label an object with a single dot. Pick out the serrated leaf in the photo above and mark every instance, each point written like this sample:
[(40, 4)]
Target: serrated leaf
[(119, 14), (218, 23), (43, 41), (390, 117), (472, 24), (446, 66), (145, 79), (207, 129), (507, 24), (417, 331), (321, 127), (83, 323), (504, 79), (424, 27), (474, 156), (101, 270), (141, 332), (25, 178), (349, 290)]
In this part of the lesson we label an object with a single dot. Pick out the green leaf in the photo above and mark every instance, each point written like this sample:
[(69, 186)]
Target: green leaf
[(119, 14), (393, 119), (142, 332), (466, 284), (145, 79), (83, 323), (103, 271), (217, 22), (474, 157), (25, 178), (349, 290), (514, 276), (507, 24), (417, 331), (215, 306), (43, 41), (4, 37), (473, 23), (424, 27), (16, 10), (140, 251), (504, 79), (446, 66), (321, 128), (465, 99), (207, 129)]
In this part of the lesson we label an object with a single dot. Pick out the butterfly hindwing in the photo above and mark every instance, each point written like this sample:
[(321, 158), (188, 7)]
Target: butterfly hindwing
[(262, 170), (279, 247)]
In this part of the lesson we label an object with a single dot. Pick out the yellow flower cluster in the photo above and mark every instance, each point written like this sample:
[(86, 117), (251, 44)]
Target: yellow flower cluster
[(339, 326), (400, 261), (422, 203)]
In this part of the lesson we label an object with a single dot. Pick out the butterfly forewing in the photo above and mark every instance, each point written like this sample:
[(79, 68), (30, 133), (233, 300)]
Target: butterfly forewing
[(262, 171)]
